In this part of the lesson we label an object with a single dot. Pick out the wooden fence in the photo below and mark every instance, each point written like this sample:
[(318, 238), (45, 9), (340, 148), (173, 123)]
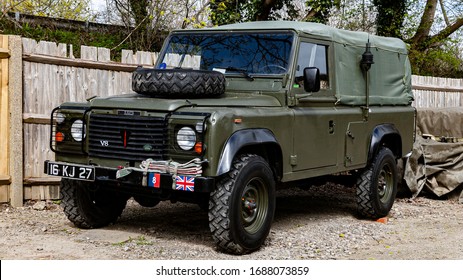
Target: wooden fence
[(38, 76), (48, 75), (52, 76), (4, 119), (432, 92), (11, 157)]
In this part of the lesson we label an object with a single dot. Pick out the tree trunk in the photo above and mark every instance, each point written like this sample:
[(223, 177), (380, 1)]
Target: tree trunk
[(265, 10), (391, 15), (426, 22)]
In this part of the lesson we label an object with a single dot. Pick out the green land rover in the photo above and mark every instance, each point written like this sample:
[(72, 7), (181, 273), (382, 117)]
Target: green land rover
[(230, 114)]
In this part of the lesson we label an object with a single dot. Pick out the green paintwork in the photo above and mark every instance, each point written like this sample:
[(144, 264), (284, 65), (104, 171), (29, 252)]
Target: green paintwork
[(318, 133)]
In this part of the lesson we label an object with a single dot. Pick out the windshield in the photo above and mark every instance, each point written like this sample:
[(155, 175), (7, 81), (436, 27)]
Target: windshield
[(249, 53)]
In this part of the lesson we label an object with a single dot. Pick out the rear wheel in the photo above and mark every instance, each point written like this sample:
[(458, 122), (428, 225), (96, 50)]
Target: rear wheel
[(242, 207), (377, 186), (89, 206)]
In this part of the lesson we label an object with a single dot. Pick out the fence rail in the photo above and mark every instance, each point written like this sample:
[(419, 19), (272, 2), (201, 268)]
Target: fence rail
[(35, 77), (432, 92), (52, 75)]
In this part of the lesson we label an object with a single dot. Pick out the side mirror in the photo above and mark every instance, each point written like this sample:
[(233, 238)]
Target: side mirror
[(311, 79)]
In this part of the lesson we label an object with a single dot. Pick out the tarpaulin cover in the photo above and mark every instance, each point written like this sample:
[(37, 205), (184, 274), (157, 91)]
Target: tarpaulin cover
[(440, 121), (436, 166)]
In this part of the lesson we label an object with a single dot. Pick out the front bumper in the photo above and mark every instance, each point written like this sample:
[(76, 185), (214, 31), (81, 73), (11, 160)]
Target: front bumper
[(152, 180)]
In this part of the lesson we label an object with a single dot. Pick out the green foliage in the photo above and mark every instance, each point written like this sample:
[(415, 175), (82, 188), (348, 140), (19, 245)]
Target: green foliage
[(228, 11), (432, 52), (232, 11), (60, 21), (390, 18), (66, 9), (104, 37), (394, 18), (321, 9), (445, 61), (431, 55)]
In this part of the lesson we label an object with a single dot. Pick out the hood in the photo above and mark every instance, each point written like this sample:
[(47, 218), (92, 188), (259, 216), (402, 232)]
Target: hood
[(143, 102)]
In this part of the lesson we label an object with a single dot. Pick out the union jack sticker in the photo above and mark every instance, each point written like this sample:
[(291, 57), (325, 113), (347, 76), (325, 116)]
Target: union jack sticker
[(185, 183)]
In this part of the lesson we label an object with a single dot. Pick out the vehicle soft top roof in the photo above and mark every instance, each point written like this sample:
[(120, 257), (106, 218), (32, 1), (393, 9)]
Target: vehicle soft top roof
[(390, 75), (323, 32)]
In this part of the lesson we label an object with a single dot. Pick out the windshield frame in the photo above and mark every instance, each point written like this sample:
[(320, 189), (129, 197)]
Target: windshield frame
[(243, 74)]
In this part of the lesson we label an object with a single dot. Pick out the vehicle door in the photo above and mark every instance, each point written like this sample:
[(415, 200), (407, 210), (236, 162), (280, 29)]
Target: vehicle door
[(314, 133)]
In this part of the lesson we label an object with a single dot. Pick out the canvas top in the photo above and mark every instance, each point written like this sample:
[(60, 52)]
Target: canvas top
[(389, 77), (323, 32)]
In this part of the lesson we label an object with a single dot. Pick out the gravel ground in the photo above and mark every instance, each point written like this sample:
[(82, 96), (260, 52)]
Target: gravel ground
[(318, 223)]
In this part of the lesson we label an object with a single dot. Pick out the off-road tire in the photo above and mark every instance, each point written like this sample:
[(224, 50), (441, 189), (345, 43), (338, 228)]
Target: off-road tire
[(178, 83), (377, 186), (89, 206), (241, 208)]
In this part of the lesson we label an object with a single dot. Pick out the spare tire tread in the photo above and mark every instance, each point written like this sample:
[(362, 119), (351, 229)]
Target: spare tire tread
[(178, 82)]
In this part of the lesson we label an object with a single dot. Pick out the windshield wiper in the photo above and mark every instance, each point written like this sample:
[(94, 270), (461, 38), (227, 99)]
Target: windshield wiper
[(242, 71)]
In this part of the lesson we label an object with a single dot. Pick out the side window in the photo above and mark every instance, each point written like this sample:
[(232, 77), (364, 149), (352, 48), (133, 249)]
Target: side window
[(312, 55)]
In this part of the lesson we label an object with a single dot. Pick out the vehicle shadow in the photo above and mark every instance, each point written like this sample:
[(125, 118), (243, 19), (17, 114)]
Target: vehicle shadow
[(315, 202), (188, 223)]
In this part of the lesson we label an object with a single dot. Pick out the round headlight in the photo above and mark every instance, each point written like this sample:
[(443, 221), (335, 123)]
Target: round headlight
[(78, 130), (59, 117), (186, 138)]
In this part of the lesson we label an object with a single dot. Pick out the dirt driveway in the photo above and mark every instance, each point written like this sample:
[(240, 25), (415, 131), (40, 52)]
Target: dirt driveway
[(318, 223)]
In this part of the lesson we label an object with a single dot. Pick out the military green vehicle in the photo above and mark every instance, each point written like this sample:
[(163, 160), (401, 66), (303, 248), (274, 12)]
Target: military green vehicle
[(230, 114)]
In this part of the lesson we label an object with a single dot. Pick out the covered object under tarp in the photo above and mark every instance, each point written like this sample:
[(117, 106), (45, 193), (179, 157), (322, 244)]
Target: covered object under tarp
[(436, 163)]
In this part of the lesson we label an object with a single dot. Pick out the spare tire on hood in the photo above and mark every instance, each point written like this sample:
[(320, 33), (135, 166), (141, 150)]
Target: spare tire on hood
[(174, 83)]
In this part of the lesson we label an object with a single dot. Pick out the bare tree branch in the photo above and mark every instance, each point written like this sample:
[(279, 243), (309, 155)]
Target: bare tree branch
[(311, 13), (446, 32), (203, 8), (130, 34), (444, 12)]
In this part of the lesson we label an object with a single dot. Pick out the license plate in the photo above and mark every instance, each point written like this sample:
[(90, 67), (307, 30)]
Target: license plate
[(71, 171)]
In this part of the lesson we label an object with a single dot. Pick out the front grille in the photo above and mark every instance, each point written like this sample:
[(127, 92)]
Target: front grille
[(130, 138)]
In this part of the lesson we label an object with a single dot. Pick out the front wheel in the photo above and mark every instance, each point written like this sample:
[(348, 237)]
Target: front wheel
[(377, 186), (88, 205), (241, 209)]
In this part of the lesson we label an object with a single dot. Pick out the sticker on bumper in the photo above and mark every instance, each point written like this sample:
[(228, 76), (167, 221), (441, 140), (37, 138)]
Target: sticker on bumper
[(154, 180), (185, 183)]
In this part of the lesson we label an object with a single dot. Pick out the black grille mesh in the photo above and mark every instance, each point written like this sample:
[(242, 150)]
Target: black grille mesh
[(131, 138)]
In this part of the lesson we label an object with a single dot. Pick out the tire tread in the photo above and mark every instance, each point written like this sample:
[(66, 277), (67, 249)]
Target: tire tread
[(365, 198), (219, 219), (176, 83), (79, 211)]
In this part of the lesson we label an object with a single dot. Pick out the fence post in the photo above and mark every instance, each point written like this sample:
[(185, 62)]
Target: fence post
[(4, 120), (16, 153), (11, 128)]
